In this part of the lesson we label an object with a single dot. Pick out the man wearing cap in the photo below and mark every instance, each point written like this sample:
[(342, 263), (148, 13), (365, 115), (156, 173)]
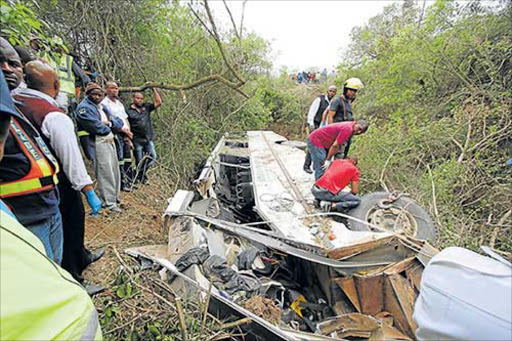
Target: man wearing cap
[(96, 129), (317, 108)]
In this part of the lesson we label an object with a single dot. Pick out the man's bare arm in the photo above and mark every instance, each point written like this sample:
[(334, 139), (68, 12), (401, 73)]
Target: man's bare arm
[(354, 187), (333, 150), (330, 116), (157, 98)]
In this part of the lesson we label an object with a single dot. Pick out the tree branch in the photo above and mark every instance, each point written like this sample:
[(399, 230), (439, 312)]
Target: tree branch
[(242, 19), (232, 20), (183, 87), (219, 44)]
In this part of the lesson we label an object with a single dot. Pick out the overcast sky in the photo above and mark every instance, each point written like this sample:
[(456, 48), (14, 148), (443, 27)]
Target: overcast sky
[(302, 34)]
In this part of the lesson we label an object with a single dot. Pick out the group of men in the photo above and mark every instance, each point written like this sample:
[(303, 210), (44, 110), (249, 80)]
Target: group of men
[(42, 172), (330, 128)]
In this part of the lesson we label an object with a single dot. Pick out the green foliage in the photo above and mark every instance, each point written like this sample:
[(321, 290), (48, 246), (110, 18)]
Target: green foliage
[(137, 41), (19, 22), (436, 92)]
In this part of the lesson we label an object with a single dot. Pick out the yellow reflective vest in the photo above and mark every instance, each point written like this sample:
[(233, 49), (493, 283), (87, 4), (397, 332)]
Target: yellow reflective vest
[(38, 299), (63, 66)]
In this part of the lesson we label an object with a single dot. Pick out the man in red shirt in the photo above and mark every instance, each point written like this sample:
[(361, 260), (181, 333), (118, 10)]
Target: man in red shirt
[(325, 142), (329, 188)]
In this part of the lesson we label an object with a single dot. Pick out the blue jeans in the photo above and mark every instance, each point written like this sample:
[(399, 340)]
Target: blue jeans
[(145, 157), (49, 231), (342, 199), (318, 156)]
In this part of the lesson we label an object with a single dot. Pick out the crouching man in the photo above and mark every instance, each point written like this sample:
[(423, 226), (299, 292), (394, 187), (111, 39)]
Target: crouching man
[(329, 188)]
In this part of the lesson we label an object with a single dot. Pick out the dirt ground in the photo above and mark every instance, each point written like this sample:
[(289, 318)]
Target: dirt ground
[(140, 223)]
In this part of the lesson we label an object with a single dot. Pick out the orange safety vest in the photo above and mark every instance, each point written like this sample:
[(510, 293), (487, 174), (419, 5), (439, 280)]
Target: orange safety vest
[(43, 166)]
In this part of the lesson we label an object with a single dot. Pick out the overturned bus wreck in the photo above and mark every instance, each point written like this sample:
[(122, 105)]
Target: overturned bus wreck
[(252, 241)]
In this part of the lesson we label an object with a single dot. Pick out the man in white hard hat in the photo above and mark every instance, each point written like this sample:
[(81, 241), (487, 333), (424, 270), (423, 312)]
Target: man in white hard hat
[(340, 109)]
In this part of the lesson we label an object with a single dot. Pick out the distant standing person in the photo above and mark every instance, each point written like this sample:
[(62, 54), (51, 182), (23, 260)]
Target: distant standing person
[(96, 128), (329, 189), (317, 108), (124, 143), (341, 109), (325, 142), (139, 115)]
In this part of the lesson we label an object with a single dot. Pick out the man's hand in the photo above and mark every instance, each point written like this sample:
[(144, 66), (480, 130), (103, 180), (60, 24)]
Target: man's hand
[(326, 165), (127, 132), (93, 201), (309, 129)]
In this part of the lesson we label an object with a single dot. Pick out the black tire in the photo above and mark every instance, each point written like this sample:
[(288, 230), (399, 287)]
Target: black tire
[(426, 229)]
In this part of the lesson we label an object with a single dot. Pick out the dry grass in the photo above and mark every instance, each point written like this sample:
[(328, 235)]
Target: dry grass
[(139, 224), (137, 304)]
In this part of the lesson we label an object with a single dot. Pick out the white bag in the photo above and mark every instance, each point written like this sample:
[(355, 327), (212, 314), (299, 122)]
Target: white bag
[(465, 296)]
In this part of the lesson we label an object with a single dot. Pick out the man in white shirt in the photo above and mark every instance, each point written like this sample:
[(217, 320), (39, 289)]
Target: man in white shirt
[(317, 108), (124, 143), (38, 104)]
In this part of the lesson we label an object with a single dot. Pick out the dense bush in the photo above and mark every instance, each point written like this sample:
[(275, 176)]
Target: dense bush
[(438, 95)]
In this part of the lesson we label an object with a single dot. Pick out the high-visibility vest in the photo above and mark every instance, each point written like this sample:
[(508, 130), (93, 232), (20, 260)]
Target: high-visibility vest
[(43, 166), (64, 68), (38, 299)]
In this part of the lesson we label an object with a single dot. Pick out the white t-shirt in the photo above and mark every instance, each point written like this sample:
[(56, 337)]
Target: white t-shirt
[(104, 120), (117, 109)]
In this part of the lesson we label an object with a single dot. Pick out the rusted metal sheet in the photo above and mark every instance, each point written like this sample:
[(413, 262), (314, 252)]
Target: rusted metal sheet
[(364, 292), (369, 290), (355, 324), (361, 326), (406, 298), (399, 301), (390, 333), (347, 284), (400, 266), (414, 273), (352, 250)]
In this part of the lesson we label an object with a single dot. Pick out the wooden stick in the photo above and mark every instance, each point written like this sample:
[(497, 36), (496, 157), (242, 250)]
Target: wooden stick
[(182, 319), (205, 310), (237, 323)]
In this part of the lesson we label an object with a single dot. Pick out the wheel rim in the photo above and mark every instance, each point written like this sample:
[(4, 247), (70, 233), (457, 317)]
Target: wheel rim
[(394, 219)]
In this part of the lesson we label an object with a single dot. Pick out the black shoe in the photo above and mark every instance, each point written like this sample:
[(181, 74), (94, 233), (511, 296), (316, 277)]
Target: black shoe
[(317, 203), (308, 170), (126, 188), (93, 289), (94, 256)]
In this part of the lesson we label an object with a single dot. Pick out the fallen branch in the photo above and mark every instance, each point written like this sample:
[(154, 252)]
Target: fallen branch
[(241, 322), (205, 310), (183, 326), (183, 87)]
